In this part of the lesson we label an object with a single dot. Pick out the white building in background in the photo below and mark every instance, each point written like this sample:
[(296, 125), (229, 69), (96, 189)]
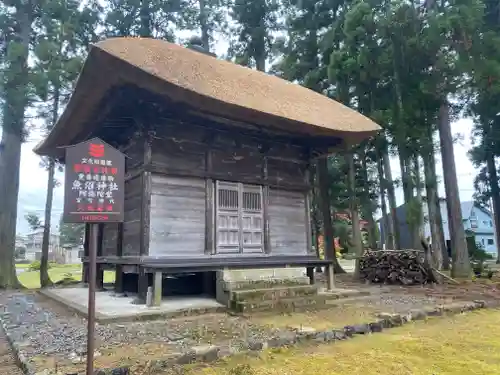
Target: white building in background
[(33, 244), (70, 254), (475, 219)]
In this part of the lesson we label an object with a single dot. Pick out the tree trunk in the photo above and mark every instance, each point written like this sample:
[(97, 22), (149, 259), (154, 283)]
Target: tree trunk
[(495, 194), (391, 194), (15, 97), (386, 221), (10, 159), (145, 19), (324, 191), (410, 201), (367, 205), (44, 261), (439, 217), (418, 186), (460, 254), (434, 211), (205, 30), (356, 230), (259, 50)]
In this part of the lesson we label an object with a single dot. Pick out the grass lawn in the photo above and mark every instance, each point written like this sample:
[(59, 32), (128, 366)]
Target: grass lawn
[(31, 279), (464, 344)]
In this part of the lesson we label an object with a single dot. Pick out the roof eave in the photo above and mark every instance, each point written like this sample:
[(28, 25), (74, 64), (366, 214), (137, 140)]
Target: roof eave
[(98, 76)]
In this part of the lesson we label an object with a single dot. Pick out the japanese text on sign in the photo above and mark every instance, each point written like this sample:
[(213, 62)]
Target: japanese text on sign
[(94, 182), (95, 185)]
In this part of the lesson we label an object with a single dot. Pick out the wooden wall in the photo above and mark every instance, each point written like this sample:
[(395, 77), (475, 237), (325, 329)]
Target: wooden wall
[(185, 157), (177, 218), (287, 222), (182, 150), (132, 222), (171, 169), (131, 227)]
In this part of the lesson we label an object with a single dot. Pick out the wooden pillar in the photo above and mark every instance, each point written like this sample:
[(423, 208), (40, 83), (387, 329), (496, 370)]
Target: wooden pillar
[(142, 285), (209, 204), (100, 269), (330, 276), (308, 210), (310, 274), (265, 202), (119, 287), (86, 243), (158, 280), (143, 281)]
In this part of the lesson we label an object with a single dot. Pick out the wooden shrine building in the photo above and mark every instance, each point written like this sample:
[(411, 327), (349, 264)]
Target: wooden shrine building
[(217, 163)]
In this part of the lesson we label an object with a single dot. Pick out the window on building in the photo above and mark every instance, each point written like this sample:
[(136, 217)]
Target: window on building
[(490, 241), (491, 223), (482, 241), (485, 222), (473, 224), (239, 218)]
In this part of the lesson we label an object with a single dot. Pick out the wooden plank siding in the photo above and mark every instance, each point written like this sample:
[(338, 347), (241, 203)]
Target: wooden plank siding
[(177, 218), (110, 239), (132, 223), (170, 193), (287, 223)]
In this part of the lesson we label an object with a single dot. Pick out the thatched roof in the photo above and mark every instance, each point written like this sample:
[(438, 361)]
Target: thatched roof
[(218, 87)]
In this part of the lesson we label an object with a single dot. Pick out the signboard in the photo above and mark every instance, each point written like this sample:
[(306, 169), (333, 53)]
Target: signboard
[(94, 183)]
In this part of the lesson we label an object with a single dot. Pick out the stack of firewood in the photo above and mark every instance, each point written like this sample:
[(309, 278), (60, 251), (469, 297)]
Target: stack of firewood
[(404, 267)]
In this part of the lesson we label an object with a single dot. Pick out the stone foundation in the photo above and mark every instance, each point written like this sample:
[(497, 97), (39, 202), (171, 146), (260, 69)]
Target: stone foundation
[(229, 280)]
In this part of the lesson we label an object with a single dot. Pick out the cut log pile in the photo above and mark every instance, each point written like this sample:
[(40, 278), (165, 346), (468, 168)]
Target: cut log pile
[(404, 267)]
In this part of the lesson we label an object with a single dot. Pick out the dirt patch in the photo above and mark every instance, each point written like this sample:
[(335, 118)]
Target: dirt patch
[(319, 320)]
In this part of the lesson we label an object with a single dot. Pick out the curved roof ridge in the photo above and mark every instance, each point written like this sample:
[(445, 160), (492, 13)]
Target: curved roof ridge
[(202, 80)]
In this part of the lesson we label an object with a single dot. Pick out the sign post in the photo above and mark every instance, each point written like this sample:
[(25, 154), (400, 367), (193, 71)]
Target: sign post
[(94, 194)]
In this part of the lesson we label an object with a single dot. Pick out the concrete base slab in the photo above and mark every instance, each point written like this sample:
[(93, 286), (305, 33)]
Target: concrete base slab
[(113, 308)]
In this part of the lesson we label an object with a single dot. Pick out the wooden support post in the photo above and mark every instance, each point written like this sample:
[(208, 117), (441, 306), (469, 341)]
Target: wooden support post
[(331, 277), (146, 198), (99, 268), (265, 203), (209, 206), (143, 280), (86, 243), (142, 285), (309, 239), (157, 288), (119, 287), (209, 217), (310, 274)]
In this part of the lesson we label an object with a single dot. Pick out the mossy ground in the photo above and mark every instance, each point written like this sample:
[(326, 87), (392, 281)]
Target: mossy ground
[(31, 279), (464, 344)]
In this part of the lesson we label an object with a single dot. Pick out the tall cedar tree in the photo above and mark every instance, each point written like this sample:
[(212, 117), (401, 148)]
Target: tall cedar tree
[(16, 19), (255, 22), (482, 58), (61, 41)]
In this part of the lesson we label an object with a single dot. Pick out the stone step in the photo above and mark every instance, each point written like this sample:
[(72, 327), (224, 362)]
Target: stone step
[(234, 285), (266, 294), (322, 300)]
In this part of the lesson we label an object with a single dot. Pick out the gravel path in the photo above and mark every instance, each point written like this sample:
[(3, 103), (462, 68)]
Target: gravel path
[(43, 329)]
